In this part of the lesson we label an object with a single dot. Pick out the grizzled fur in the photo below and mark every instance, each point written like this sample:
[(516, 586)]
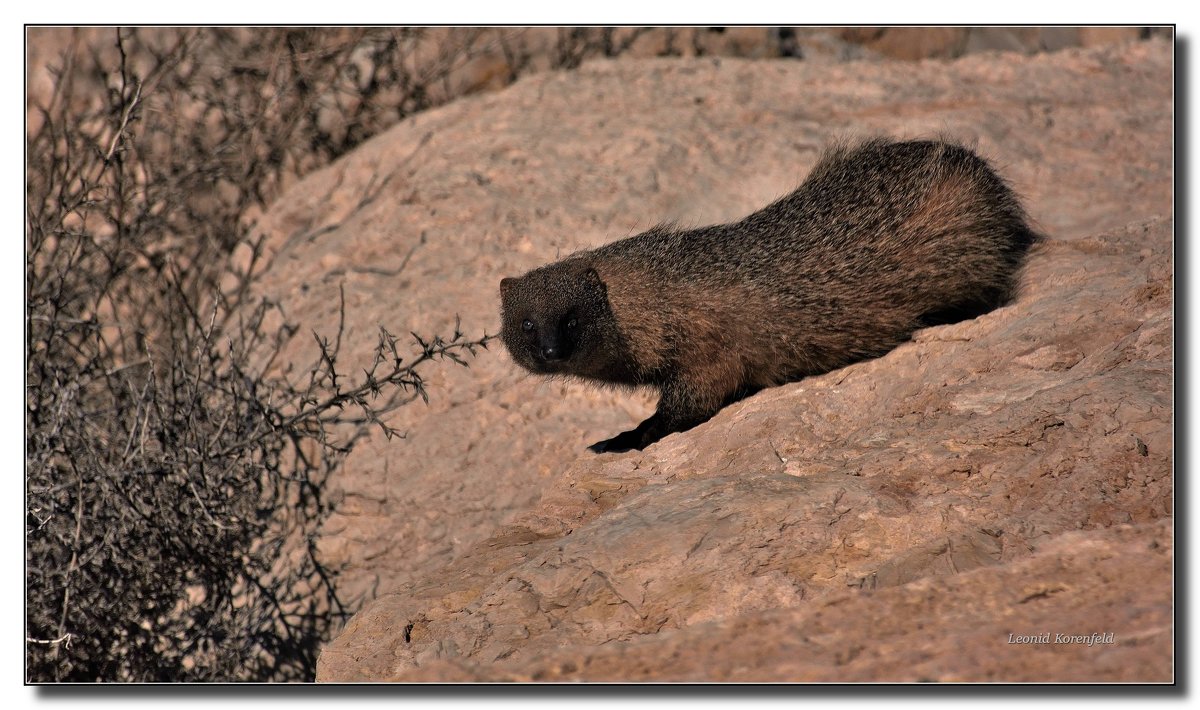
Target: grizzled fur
[(880, 240)]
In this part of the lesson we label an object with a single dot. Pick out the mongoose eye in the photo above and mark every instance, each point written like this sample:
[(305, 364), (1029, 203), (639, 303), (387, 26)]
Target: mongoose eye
[(527, 325)]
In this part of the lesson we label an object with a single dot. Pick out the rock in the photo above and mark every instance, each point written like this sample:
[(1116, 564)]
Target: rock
[(884, 521), (1093, 36), (1067, 613), (910, 42)]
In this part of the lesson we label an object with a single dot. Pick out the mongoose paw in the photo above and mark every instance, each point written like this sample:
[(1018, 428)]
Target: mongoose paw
[(625, 441)]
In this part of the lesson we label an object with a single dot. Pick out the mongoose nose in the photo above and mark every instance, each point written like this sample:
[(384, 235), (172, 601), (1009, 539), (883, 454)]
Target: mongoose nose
[(551, 352)]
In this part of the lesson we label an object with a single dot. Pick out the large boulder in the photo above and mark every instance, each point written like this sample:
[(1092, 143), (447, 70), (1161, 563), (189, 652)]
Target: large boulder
[(894, 520)]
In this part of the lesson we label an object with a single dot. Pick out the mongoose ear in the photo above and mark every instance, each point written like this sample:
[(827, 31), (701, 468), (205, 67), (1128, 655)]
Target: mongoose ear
[(592, 277), (506, 284)]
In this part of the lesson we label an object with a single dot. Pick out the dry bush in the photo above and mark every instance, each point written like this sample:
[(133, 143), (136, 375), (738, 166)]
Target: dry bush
[(176, 476)]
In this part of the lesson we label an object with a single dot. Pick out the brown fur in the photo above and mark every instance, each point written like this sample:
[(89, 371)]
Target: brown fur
[(880, 240)]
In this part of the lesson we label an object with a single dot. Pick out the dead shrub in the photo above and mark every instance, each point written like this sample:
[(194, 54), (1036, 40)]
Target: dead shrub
[(176, 477)]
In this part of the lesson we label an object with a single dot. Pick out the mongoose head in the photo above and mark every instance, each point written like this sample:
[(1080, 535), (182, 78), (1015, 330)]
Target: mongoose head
[(557, 319)]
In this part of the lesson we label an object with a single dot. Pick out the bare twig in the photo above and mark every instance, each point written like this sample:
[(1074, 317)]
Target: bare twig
[(65, 640)]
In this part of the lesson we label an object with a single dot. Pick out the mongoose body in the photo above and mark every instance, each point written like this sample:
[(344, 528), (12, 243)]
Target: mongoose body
[(880, 240)]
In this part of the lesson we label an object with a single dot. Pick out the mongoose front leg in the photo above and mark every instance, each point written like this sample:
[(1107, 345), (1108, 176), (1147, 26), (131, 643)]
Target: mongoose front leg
[(680, 408), (626, 440)]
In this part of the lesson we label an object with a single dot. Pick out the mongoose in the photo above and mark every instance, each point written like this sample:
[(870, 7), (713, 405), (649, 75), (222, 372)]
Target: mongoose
[(881, 239)]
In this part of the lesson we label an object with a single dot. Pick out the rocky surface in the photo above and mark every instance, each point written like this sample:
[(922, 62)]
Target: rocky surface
[(1040, 619), (894, 520)]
